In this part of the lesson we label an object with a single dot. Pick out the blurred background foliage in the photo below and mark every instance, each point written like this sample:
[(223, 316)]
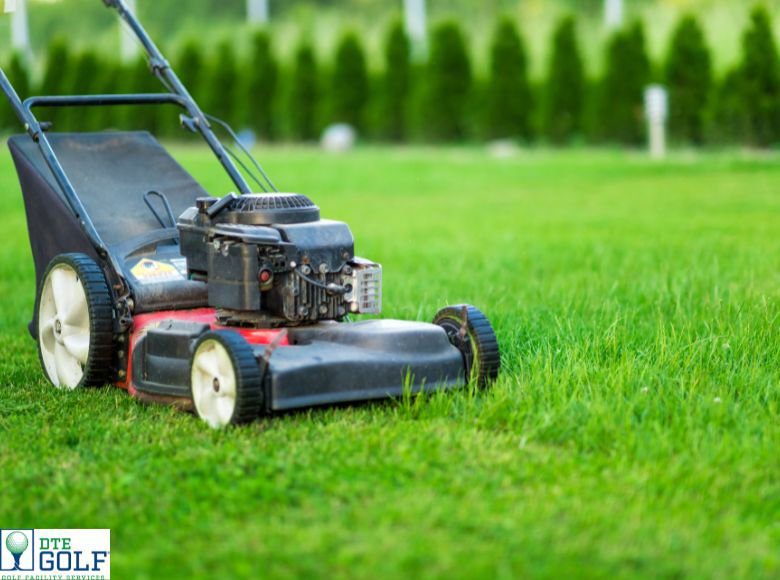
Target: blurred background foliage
[(88, 23), (536, 71)]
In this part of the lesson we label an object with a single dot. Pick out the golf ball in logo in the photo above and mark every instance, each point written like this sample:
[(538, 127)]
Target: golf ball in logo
[(17, 543)]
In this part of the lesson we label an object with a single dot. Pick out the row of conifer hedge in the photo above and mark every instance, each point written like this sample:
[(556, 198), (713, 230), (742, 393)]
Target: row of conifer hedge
[(442, 99)]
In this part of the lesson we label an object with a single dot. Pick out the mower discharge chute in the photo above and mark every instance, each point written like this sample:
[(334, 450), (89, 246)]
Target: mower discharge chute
[(233, 307)]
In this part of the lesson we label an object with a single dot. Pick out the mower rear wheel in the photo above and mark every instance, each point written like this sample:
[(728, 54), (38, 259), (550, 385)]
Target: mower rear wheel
[(75, 323), (470, 331), (226, 381)]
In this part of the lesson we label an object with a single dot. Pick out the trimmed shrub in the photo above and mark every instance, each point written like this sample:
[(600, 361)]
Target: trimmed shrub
[(689, 79), (110, 81), (509, 94), (262, 86), (18, 74), (729, 120), (56, 77), (224, 86), (139, 79), (449, 84), (566, 88), (85, 80), (397, 83), (621, 110), (305, 94), (350, 83), (191, 68), (57, 68), (760, 70)]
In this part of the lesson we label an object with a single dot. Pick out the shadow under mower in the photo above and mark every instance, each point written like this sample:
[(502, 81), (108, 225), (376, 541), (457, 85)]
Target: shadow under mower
[(237, 307)]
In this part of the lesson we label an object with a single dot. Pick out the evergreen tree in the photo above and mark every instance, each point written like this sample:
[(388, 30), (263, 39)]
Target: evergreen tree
[(56, 76), (689, 79), (449, 80), (591, 113), (621, 114), (110, 81), (509, 98), (84, 80), (262, 86), (305, 94), (760, 70), (350, 83), (139, 79), (190, 68), (224, 85), (57, 68), (397, 82), (19, 76), (566, 85), (729, 111)]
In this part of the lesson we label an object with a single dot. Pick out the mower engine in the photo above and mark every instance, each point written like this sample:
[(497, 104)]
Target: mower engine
[(270, 261)]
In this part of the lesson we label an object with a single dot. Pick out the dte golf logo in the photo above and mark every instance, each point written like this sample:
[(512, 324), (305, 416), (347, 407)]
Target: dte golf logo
[(67, 554)]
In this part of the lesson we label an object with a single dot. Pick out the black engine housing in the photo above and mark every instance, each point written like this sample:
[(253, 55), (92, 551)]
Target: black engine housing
[(269, 260)]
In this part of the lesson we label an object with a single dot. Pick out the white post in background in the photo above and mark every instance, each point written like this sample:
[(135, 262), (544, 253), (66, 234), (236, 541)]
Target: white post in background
[(657, 112), (129, 49), (416, 17), (20, 26), (257, 11), (613, 13)]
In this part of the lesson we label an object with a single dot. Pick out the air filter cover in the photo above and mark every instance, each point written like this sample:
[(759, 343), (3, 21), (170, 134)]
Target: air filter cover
[(270, 208)]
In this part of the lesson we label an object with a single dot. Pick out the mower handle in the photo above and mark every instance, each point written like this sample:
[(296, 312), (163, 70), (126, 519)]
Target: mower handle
[(163, 71), (104, 101)]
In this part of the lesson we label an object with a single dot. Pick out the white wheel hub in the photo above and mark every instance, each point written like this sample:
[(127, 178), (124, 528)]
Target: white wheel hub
[(214, 384), (63, 327)]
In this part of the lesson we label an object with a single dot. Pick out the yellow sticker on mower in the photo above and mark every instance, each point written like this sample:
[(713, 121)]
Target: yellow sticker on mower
[(152, 272)]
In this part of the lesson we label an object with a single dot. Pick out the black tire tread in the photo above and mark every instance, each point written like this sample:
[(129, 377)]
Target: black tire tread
[(250, 394), (99, 369), (483, 338)]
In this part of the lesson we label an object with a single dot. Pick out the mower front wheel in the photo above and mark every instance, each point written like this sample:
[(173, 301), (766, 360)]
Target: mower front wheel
[(471, 333), (75, 319), (226, 380)]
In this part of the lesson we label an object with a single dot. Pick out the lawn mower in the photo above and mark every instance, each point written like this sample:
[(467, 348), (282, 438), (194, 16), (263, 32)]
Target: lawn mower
[(232, 307)]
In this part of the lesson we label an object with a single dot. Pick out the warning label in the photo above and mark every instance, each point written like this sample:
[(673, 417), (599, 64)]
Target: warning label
[(149, 271)]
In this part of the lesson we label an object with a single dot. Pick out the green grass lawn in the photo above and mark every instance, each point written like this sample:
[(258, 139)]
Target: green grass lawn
[(635, 429)]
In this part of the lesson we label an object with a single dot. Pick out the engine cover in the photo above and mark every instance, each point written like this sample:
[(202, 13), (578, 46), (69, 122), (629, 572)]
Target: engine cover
[(269, 260)]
